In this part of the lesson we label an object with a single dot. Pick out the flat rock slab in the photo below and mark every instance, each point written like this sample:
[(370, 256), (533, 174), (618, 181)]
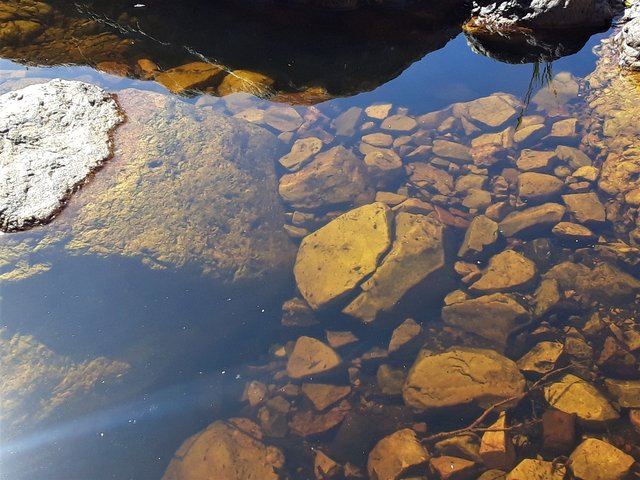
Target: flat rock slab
[(333, 260), (417, 255), (461, 376), (177, 194), (52, 136)]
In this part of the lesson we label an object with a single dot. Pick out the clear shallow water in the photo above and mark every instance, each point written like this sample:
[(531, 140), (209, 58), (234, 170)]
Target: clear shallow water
[(188, 340)]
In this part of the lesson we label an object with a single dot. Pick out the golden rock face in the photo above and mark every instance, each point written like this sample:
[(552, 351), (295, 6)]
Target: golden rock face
[(186, 191), (184, 188)]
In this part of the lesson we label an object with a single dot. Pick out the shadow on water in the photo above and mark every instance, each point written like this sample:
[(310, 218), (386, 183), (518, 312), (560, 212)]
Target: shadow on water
[(185, 338)]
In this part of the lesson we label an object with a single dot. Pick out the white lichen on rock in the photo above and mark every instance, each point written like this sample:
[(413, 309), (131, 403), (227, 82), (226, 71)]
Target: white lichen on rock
[(52, 136)]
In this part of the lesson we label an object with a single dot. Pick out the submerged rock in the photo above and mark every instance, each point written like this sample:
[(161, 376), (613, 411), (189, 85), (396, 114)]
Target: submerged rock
[(604, 283), (37, 382), (333, 260), (417, 255), (573, 395), (530, 469), (496, 448), (176, 193), (493, 317), (461, 376), (311, 357), (52, 136), (396, 455), (479, 239), (507, 271), (595, 459), (231, 449), (333, 177), (534, 219)]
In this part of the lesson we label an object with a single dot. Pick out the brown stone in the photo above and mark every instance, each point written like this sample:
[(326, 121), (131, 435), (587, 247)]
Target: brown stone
[(323, 396), (423, 175), (480, 238), (337, 339), (493, 317), (191, 76), (453, 468), (533, 219), (395, 454), (558, 431), (307, 423), (334, 177), (538, 187), (453, 151), (507, 271), (225, 449), (311, 357), (245, 81), (404, 334), (585, 207)]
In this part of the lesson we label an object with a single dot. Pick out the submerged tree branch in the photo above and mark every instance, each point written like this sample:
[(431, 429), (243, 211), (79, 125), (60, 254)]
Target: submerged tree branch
[(474, 427)]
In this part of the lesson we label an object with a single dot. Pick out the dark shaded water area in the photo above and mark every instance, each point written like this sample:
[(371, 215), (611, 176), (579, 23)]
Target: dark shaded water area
[(190, 341)]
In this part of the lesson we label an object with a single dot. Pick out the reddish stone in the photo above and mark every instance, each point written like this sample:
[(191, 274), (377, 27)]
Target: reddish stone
[(558, 431)]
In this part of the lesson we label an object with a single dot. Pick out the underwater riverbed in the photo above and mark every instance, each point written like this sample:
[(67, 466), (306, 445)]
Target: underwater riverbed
[(332, 250)]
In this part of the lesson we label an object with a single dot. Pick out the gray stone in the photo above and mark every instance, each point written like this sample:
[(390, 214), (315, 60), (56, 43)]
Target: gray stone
[(628, 39), (493, 317), (52, 136), (461, 376), (416, 256), (302, 151), (345, 124), (399, 123), (283, 119), (548, 14), (532, 219)]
